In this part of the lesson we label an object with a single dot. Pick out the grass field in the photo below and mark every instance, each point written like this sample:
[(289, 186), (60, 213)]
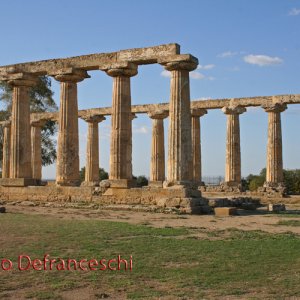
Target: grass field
[(167, 262)]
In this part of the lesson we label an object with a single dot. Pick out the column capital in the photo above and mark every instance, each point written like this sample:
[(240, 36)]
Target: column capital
[(233, 110), (38, 123), (132, 116), (20, 79), (275, 107), (158, 114), (198, 112), (93, 118), (5, 124), (179, 62), (70, 75), (126, 69)]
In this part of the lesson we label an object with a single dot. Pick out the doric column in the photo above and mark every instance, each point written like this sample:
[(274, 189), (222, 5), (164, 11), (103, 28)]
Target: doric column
[(36, 149), (92, 150), (274, 176), (196, 144), (180, 159), (233, 150), (129, 151), (157, 166), (67, 167), (121, 133), (6, 148), (20, 151)]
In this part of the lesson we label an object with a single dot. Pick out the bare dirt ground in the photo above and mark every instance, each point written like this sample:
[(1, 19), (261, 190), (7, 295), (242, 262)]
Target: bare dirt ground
[(246, 220)]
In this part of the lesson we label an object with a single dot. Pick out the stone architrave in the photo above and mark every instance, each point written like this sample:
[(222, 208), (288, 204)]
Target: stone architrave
[(121, 133), (20, 173), (67, 168), (233, 148), (180, 160), (92, 150), (274, 175), (157, 166), (6, 148), (36, 149), (196, 144)]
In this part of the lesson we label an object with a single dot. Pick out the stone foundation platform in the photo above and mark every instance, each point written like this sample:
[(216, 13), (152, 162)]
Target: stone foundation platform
[(185, 200)]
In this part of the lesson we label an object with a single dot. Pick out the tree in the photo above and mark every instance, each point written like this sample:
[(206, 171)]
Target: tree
[(41, 100), (141, 180), (102, 174)]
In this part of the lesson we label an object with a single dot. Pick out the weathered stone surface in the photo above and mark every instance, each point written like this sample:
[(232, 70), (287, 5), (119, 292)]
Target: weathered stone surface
[(274, 175), (67, 167), (233, 152), (196, 143), (276, 207), (6, 148), (157, 166), (225, 211), (180, 138)]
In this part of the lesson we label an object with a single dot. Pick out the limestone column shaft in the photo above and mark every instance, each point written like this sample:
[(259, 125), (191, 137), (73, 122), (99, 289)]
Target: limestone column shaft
[(67, 168), (121, 133), (157, 165), (36, 149), (92, 149), (129, 151), (196, 144), (180, 159), (6, 149), (233, 150), (274, 174), (20, 158)]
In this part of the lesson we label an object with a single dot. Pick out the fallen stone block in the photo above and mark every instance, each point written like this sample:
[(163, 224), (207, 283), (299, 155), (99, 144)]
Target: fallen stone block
[(225, 211), (276, 207)]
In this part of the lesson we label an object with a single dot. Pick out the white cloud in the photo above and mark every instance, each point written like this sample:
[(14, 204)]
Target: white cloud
[(142, 130), (193, 75), (204, 98), (196, 75), (165, 73), (262, 60), (294, 12), (205, 67), (227, 54)]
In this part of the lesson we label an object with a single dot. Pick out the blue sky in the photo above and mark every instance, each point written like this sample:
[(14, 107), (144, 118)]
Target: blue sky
[(245, 48)]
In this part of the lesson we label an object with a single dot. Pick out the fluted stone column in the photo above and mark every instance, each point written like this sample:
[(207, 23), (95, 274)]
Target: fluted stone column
[(180, 160), (36, 149), (233, 150), (67, 167), (196, 113), (92, 150), (157, 166), (129, 151), (274, 176), (20, 146), (121, 134), (6, 148)]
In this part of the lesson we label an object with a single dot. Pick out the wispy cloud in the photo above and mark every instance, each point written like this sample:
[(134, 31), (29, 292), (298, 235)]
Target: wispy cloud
[(141, 129), (194, 74), (206, 67), (227, 54), (294, 12), (262, 60)]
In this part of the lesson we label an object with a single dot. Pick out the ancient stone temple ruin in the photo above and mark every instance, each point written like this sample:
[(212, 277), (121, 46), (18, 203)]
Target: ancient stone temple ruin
[(180, 187)]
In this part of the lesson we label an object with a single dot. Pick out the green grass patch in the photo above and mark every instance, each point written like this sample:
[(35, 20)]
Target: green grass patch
[(166, 261), (289, 222)]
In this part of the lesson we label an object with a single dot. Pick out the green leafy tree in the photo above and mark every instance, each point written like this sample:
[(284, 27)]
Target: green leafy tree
[(102, 174), (41, 100), (141, 181), (292, 181)]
